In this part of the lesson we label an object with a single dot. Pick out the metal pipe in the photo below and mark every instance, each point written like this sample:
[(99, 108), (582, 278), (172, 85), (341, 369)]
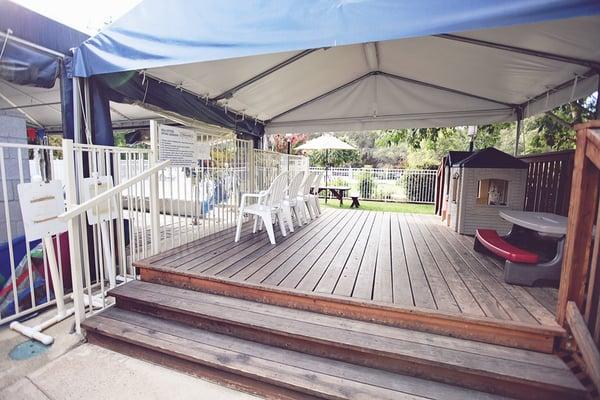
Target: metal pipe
[(518, 134), (520, 50), (55, 103), (76, 112), (230, 92), (30, 44), (597, 113)]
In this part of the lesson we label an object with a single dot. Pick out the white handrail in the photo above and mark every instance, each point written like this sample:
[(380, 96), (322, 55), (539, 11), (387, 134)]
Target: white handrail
[(83, 207)]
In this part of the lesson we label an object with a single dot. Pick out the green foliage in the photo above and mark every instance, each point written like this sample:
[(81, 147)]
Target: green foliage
[(366, 184)]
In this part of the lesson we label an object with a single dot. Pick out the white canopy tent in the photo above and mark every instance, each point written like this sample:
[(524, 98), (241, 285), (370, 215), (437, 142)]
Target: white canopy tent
[(470, 78)]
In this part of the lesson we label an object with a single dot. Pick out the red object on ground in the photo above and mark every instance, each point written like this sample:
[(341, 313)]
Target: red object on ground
[(490, 239)]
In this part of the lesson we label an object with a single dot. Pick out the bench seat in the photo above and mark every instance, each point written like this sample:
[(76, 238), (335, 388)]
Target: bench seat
[(490, 239)]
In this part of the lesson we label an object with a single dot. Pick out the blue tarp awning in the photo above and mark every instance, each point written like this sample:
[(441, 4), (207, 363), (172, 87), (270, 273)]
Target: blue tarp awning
[(326, 65)]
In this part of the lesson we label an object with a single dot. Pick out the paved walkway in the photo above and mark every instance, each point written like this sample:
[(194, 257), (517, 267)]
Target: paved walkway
[(91, 372)]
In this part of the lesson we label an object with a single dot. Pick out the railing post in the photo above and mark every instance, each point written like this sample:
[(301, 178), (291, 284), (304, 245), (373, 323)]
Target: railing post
[(74, 234), (154, 198), (578, 245)]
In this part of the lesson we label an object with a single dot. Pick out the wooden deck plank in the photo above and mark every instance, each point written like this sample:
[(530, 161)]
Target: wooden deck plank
[(314, 275), (199, 346), (295, 254), (503, 296), (487, 302), (304, 251), (208, 249), (421, 287), (334, 270), (347, 279), (464, 298), (330, 378), (444, 299), (165, 294), (407, 260), (363, 288), (401, 284), (299, 272), (521, 295), (276, 251), (382, 287)]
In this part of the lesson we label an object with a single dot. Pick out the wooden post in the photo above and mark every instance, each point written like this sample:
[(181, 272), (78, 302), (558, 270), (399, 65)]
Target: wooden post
[(582, 207)]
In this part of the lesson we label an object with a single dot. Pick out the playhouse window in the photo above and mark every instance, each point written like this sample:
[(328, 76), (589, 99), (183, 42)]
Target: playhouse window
[(493, 192)]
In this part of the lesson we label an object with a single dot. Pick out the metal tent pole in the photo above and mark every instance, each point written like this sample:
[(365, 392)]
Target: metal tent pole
[(518, 134)]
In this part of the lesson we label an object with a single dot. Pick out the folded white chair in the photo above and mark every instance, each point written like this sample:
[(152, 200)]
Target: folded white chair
[(314, 197), (304, 196), (269, 202), (290, 202)]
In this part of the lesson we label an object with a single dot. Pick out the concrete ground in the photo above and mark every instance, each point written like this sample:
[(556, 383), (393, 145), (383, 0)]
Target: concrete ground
[(94, 373), (71, 369)]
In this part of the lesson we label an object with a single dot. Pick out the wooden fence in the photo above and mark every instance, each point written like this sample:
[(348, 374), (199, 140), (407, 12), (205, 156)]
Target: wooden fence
[(579, 292), (549, 182)]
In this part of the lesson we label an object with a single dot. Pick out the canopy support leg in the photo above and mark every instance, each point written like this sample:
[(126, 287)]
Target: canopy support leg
[(518, 133)]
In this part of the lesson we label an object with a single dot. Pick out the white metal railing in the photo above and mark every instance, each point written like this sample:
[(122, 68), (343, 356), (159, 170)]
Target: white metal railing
[(151, 207), (382, 184)]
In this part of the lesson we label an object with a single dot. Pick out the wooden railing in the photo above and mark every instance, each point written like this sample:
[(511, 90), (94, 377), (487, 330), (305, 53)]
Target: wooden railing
[(579, 292), (549, 182)]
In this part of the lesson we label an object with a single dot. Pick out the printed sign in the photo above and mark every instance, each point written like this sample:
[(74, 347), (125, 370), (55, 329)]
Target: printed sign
[(41, 204), (105, 211), (178, 145), (203, 151)]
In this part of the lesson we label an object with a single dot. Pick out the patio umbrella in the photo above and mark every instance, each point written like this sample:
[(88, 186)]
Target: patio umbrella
[(326, 142)]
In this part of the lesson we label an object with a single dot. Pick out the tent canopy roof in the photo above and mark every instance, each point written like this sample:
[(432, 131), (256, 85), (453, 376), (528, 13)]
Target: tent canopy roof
[(321, 65)]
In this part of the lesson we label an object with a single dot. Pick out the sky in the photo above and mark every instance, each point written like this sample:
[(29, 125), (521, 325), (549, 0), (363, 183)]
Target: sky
[(88, 16)]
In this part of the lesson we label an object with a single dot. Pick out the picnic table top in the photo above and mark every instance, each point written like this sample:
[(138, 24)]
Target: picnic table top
[(542, 222), (335, 187)]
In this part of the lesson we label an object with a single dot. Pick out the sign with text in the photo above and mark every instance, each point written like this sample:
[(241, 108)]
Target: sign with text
[(178, 145)]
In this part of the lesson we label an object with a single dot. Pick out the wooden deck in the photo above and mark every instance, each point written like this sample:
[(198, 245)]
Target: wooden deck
[(400, 261)]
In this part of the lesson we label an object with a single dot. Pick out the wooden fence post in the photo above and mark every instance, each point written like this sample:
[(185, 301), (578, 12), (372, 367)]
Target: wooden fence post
[(582, 209)]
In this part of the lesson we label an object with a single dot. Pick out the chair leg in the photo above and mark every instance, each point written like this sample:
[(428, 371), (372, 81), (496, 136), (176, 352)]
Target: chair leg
[(287, 213), (309, 208), (298, 215), (255, 226), (281, 222), (238, 229), (318, 204), (269, 226)]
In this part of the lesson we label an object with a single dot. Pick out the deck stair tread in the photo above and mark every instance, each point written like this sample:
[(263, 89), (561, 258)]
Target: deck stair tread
[(374, 345), (302, 373)]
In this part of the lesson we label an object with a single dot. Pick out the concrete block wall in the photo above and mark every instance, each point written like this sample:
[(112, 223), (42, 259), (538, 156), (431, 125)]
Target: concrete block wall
[(12, 130)]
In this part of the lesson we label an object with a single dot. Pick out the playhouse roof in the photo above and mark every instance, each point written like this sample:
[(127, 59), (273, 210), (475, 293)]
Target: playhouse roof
[(455, 157), (492, 158)]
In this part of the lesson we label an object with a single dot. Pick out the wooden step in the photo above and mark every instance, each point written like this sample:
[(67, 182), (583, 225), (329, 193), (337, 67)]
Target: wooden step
[(266, 370), (490, 368)]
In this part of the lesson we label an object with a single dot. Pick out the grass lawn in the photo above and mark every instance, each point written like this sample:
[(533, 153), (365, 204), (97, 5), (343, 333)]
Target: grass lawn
[(381, 206)]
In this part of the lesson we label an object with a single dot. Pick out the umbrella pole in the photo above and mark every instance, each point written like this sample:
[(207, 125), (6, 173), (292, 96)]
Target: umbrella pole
[(326, 176)]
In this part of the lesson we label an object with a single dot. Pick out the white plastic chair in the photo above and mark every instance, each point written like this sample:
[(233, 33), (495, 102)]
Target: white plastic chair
[(314, 197), (269, 202), (304, 196), (290, 202)]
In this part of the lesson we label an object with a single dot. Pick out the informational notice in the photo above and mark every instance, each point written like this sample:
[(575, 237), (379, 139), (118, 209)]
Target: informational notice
[(178, 145)]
